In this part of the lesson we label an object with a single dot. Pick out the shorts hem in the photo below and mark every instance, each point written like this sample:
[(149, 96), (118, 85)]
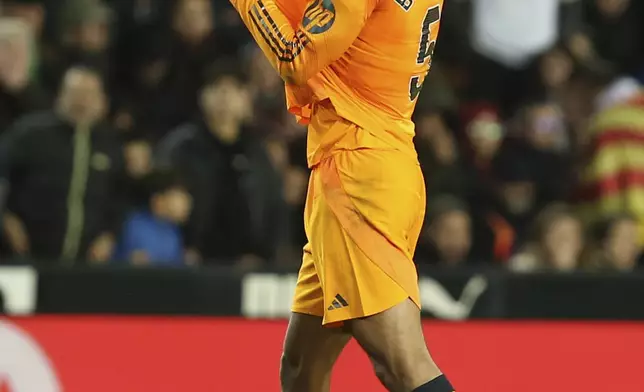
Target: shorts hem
[(334, 320), (306, 311)]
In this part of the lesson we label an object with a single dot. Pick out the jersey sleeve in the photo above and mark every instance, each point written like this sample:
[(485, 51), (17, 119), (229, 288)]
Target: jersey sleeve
[(324, 33), (293, 10)]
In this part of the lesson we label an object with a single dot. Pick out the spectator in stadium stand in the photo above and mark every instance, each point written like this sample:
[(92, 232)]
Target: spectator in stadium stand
[(138, 17), (556, 67), (138, 155), (617, 33), (266, 85), (239, 211), (34, 14), (31, 12), (137, 54), (152, 232), (137, 151), (617, 246), (82, 37), (507, 55), (296, 181), (61, 172), (612, 171), (555, 243), (534, 164), (447, 237), (171, 63), (19, 90), (482, 137), (439, 157), (517, 193)]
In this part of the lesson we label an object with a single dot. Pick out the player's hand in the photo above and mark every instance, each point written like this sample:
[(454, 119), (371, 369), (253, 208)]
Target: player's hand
[(16, 234), (100, 251)]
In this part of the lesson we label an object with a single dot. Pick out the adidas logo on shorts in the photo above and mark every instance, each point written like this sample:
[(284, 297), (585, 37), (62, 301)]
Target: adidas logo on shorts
[(338, 303)]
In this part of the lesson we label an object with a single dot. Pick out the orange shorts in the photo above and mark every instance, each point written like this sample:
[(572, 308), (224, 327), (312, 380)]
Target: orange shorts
[(364, 212)]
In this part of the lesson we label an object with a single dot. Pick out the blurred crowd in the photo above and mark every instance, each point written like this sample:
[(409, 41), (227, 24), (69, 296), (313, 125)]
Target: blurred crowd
[(153, 132)]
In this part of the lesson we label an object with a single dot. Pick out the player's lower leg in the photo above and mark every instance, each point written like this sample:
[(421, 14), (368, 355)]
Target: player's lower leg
[(310, 351), (395, 341)]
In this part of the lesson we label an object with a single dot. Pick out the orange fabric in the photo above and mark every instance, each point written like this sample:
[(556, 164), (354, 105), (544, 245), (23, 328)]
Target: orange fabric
[(353, 71), (368, 58), (504, 236), (363, 218)]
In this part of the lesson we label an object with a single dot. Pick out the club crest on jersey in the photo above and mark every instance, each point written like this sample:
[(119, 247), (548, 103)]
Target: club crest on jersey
[(405, 4), (319, 16)]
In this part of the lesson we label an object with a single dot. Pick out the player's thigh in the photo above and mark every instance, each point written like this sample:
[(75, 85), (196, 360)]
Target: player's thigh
[(310, 351), (394, 340)]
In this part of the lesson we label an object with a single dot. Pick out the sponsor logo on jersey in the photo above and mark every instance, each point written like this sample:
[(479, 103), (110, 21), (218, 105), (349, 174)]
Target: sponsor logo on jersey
[(405, 4), (319, 16)]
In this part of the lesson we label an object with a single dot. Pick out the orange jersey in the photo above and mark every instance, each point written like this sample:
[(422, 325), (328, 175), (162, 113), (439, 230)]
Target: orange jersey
[(369, 58)]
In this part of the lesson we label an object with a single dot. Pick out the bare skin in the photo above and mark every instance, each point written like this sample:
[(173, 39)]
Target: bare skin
[(393, 340), (310, 351)]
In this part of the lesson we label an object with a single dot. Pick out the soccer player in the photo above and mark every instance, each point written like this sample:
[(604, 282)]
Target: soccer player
[(353, 71)]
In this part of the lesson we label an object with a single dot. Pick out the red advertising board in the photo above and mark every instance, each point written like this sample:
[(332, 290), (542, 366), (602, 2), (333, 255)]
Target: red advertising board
[(108, 354)]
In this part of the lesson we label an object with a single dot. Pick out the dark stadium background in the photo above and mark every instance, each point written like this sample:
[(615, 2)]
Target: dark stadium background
[(529, 131)]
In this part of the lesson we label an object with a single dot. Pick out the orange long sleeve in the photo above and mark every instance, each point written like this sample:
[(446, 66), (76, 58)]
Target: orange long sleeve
[(326, 31)]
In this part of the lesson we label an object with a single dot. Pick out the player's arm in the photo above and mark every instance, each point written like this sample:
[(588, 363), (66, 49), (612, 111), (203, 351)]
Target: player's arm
[(325, 32)]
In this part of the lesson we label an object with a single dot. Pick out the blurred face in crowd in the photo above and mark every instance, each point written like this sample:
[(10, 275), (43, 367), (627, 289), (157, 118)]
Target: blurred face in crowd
[(612, 8), (32, 14), (622, 246), (546, 128), (563, 243), (486, 134), (556, 68), (578, 108), (428, 125), (193, 20), (15, 55), (82, 98), (226, 102), (138, 158), (92, 37), (432, 129), (518, 197), (451, 234), (174, 205)]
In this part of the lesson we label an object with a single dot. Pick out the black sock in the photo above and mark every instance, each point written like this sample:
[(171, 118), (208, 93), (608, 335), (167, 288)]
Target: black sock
[(439, 384)]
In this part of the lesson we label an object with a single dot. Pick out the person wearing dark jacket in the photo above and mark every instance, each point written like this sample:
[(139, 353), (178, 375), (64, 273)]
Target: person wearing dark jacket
[(60, 174), (239, 212), (167, 63)]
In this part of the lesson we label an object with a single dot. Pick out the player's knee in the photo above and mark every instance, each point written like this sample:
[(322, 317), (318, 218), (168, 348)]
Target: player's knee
[(383, 374), (289, 369), (400, 373), (297, 374)]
